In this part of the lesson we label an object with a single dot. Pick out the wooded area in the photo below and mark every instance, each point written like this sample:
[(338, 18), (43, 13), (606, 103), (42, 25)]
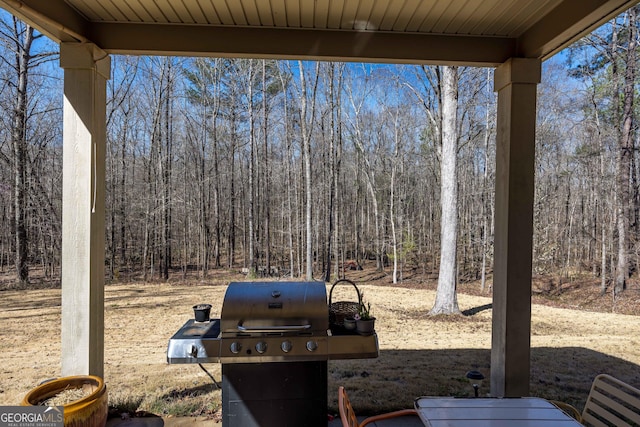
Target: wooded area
[(300, 168)]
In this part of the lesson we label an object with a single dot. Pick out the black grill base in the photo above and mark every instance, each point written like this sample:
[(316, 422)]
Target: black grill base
[(282, 394)]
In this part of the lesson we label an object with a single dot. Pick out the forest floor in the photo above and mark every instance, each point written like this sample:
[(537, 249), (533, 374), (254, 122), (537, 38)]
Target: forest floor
[(576, 333)]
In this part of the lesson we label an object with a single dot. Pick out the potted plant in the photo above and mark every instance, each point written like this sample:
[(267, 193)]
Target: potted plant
[(365, 322), (350, 323)]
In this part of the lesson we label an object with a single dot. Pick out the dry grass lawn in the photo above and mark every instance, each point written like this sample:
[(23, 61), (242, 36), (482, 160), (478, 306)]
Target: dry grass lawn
[(419, 354)]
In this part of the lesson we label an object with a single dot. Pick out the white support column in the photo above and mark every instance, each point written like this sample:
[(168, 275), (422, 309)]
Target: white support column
[(86, 70), (516, 83)]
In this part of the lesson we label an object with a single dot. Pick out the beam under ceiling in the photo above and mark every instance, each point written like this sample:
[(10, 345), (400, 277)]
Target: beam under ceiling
[(565, 24), (368, 46), (53, 18)]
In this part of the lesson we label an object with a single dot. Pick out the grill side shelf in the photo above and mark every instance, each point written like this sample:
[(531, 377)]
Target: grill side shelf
[(353, 347), (195, 342)]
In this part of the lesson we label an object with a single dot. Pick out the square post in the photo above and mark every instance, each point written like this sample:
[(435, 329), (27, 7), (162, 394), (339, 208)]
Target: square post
[(516, 83), (86, 70)]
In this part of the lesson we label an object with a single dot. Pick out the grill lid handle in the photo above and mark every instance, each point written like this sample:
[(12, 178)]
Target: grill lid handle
[(283, 328)]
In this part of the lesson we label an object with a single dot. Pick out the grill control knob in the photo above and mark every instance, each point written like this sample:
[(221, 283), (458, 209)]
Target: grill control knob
[(286, 346), (261, 347), (235, 347), (312, 345)]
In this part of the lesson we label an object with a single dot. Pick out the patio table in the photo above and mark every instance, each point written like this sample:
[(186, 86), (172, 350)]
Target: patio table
[(491, 412)]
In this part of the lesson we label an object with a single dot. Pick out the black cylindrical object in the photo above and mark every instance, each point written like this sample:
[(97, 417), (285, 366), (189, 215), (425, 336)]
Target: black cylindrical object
[(202, 312)]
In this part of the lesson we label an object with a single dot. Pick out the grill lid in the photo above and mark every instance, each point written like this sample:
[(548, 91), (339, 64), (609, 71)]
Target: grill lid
[(275, 307)]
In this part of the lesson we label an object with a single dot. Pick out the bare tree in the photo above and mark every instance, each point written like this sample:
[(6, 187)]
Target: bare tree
[(252, 169), (446, 299), (307, 115), (266, 205), (20, 39), (626, 147), (392, 190), (335, 148), (361, 125)]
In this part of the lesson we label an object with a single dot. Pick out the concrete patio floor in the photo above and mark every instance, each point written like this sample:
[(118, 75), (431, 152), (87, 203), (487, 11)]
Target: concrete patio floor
[(408, 421), (396, 422)]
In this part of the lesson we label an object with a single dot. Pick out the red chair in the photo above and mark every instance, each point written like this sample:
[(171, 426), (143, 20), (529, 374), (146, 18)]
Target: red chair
[(348, 415)]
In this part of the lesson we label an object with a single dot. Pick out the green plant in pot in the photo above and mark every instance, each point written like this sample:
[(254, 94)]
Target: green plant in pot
[(365, 322)]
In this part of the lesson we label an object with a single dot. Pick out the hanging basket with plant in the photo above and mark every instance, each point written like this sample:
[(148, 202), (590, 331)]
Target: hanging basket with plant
[(340, 310)]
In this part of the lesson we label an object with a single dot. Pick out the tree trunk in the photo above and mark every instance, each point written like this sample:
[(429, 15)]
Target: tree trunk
[(18, 136), (446, 299), (392, 195), (306, 128), (394, 237), (485, 193), (288, 174), (624, 160), (267, 172), (166, 161), (252, 148), (216, 168), (232, 194), (333, 167)]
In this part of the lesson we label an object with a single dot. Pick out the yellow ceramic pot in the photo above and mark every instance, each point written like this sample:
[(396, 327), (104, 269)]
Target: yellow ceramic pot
[(90, 411)]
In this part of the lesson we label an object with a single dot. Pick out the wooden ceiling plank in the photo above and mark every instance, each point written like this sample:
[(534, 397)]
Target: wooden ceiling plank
[(377, 15), (478, 19), (321, 15), (469, 10), (222, 11), (518, 16), (293, 13), (531, 13), (307, 10), (405, 14), (237, 12), (93, 12), (167, 11), (391, 15), (434, 17), (251, 12), (422, 14), (363, 14), (501, 15), (127, 11), (118, 12), (265, 12), (279, 13), (384, 47), (184, 13), (465, 9), (334, 19), (450, 15), (197, 11), (348, 15), (154, 11), (140, 11)]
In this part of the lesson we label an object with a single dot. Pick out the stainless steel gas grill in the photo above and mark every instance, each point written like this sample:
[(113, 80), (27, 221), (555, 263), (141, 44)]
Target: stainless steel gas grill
[(274, 341)]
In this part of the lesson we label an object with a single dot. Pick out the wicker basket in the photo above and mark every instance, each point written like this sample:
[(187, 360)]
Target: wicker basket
[(340, 310)]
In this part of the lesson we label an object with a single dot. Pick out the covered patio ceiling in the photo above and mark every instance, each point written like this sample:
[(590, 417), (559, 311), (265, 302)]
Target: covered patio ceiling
[(465, 32), (513, 35)]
